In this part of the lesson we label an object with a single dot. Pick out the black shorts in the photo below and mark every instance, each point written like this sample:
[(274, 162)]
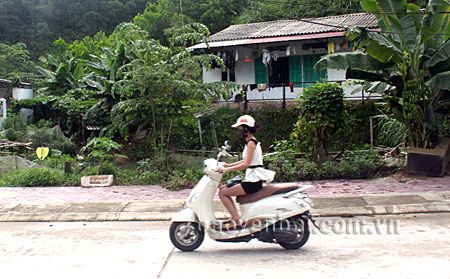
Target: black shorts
[(251, 187)]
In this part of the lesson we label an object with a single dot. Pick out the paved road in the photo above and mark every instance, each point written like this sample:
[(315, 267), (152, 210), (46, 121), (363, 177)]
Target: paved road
[(409, 246)]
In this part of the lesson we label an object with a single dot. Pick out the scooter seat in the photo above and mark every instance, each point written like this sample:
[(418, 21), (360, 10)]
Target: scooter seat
[(267, 191)]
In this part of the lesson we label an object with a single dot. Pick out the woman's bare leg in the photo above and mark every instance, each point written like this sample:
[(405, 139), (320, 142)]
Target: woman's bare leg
[(225, 195)]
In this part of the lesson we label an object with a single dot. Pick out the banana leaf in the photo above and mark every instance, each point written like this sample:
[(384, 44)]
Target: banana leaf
[(440, 55), (355, 60), (440, 80), (363, 75)]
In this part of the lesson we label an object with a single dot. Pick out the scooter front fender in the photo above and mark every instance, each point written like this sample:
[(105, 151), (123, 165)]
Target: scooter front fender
[(185, 215)]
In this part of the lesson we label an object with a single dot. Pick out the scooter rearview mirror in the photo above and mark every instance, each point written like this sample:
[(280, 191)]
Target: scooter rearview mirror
[(227, 145)]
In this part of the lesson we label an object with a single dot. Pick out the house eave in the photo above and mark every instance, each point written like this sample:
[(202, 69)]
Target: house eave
[(266, 40)]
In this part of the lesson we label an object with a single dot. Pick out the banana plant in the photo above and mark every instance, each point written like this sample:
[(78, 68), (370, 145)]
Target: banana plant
[(61, 76), (407, 61)]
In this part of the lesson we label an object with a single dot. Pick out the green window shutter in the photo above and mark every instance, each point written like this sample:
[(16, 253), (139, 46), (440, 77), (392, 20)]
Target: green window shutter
[(260, 72), (295, 70), (309, 75)]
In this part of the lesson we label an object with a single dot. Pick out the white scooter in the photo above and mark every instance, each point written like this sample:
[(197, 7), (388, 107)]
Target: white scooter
[(278, 213)]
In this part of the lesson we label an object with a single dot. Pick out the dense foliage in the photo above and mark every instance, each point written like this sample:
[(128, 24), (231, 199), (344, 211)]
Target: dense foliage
[(124, 67), (322, 114), (352, 165), (125, 83), (33, 177), (407, 62), (15, 63), (38, 23)]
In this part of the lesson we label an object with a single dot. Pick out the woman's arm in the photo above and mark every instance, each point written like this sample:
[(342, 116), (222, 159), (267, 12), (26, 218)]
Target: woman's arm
[(233, 164), (243, 164)]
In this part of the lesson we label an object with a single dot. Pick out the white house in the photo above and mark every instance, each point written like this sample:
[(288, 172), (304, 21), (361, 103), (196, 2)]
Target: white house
[(275, 60), (19, 92)]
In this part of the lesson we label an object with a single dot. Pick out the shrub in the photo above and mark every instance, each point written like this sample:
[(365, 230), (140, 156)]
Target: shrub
[(353, 165), (33, 177), (66, 146), (322, 113), (15, 127), (177, 184), (110, 168)]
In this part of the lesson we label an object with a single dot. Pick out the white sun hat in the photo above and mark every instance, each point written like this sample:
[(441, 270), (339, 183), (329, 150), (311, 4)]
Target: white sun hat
[(244, 120)]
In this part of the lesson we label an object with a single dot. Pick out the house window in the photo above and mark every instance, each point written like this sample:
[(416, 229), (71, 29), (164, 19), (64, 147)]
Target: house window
[(296, 69), (260, 72), (301, 70), (310, 76), (229, 75), (279, 71)]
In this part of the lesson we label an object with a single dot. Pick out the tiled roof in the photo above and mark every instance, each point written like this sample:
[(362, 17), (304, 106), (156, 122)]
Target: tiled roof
[(294, 27)]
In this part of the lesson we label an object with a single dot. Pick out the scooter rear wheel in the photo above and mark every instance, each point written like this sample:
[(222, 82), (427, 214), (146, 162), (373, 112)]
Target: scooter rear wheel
[(186, 236), (300, 226)]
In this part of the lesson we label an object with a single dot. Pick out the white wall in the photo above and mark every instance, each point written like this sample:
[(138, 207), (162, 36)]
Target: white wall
[(212, 75), (3, 113), (21, 94), (245, 71), (245, 74)]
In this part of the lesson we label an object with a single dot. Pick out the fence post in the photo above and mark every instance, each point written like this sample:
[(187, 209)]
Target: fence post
[(213, 131), (371, 132)]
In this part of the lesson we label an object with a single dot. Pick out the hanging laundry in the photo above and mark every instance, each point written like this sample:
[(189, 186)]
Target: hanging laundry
[(276, 56), (291, 86), (330, 48), (271, 85), (245, 87), (214, 64), (262, 87), (288, 50), (253, 86), (236, 56), (230, 94), (265, 57)]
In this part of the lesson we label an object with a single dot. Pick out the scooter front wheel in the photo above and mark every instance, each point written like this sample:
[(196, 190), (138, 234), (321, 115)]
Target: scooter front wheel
[(186, 236)]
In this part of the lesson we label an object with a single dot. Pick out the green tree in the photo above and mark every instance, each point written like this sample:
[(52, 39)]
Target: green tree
[(15, 63), (407, 62), (39, 23), (322, 113), (102, 149), (165, 14), (159, 86)]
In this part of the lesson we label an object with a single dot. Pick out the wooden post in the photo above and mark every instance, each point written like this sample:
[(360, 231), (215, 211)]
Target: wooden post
[(200, 132), (67, 167), (245, 101), (362, 95), (83, 129), (213, 131), (371, 132)]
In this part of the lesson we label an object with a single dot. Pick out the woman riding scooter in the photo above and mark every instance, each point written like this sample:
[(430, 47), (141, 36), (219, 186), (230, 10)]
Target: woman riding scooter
[(255, 174)]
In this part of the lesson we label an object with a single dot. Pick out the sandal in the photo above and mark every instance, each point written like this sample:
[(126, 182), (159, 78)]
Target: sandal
[(229, 220), (228, 225), (232, 226), (221, 223)]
